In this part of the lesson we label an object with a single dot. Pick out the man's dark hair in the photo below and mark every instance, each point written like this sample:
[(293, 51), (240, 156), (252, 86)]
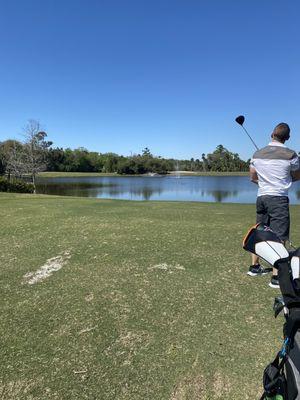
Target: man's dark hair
[(281, 132)]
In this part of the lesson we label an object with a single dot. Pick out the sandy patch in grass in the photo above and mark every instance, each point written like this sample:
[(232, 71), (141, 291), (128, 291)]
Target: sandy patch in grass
[(133, 339), (200, 388), (16, 390), (168, 267), (221, 385), (190, 388), (86, 330), (52, 265), (127, 346), (89, 297)]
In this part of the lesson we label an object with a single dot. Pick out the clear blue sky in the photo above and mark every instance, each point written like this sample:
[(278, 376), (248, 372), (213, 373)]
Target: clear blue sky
[(116, 75)]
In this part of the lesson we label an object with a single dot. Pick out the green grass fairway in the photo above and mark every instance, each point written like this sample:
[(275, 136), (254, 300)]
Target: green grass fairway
[(152, 302)]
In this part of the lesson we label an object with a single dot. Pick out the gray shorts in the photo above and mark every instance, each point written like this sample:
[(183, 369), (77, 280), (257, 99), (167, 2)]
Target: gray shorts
[(273, 211)]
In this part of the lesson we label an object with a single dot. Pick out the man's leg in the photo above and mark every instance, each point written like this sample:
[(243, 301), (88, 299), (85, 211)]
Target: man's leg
[(255, 259), (279, 223), (261, 217)]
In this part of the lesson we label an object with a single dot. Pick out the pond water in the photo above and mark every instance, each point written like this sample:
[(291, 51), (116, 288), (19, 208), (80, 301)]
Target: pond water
[(233, 189)]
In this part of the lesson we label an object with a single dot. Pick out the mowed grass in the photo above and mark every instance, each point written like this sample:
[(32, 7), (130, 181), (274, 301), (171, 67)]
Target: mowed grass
[(153, 303)]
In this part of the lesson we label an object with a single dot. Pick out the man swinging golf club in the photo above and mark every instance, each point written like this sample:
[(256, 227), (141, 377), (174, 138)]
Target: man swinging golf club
[(273, 168)]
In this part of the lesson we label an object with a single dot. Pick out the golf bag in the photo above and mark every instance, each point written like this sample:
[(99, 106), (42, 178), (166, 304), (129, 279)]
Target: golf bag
[(281, 379)]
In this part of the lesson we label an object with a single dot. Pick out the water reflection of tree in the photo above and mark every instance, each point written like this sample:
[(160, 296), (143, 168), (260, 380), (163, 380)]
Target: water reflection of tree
[(220, 195), (81, 189), (147, 192), (144, 192)]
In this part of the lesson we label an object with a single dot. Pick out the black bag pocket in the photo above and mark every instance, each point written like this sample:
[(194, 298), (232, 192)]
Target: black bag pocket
[(274, 380)]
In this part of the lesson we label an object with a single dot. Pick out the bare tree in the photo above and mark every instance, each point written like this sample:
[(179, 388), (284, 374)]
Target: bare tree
[(35, 149)]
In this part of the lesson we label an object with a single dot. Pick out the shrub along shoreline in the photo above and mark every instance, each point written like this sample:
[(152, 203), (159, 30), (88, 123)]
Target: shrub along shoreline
[(15, 186)]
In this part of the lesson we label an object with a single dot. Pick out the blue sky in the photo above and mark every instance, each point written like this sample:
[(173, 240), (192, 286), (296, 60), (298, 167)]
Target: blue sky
[(170, 75)]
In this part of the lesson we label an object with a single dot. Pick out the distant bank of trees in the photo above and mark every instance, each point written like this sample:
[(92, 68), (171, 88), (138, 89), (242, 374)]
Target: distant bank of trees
[(36, 154)]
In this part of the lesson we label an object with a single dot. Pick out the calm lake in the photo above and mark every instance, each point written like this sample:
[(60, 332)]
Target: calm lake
[(233, 189)]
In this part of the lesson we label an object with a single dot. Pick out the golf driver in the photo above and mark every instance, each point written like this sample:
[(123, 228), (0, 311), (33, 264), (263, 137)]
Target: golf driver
[(240, 120)]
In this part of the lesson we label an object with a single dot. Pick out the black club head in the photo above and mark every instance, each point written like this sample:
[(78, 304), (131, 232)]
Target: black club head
[(240, 119)]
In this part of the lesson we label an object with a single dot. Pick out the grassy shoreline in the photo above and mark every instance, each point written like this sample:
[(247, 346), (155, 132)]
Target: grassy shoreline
[(95, 174), (152, 301)]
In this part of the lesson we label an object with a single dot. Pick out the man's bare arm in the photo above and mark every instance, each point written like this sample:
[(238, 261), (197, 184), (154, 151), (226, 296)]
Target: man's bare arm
[(253, 175)]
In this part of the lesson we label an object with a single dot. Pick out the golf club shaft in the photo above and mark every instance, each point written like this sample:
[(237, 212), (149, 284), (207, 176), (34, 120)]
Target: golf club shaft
[(250, 137)]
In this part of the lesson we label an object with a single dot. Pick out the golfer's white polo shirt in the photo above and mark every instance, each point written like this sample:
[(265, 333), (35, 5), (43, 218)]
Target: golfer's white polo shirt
[(273, 165)]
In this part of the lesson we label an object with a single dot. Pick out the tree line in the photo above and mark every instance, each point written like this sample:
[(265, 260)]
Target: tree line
[(35, 154)]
